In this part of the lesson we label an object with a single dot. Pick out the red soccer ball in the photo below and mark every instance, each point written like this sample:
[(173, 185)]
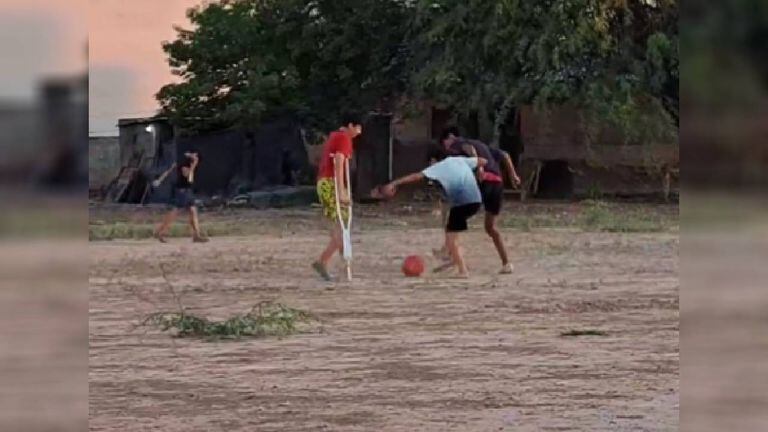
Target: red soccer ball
[(413, 266)]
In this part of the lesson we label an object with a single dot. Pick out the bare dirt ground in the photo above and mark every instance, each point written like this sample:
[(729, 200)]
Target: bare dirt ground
[(392, 353), (43, 335), (724, 341)]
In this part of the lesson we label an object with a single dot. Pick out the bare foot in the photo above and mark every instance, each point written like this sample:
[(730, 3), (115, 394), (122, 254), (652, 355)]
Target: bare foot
[(160, 237), (507, 268)]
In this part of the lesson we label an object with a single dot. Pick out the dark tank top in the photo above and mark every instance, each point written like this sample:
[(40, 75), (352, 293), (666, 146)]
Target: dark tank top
[(181, 181)]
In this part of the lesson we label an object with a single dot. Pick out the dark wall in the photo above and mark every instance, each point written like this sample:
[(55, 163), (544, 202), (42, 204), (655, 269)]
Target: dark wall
[(411, 156), (276, 155), (232, 162), (372, 154), (220, 159)]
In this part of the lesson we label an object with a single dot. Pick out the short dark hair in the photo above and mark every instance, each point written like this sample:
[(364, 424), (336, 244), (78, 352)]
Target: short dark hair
[(437, 152), (354, 118), (186, 161), (450, 130)]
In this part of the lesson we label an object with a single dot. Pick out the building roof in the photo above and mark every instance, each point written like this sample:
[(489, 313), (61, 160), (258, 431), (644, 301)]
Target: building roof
[(141, 120), (105, 138)]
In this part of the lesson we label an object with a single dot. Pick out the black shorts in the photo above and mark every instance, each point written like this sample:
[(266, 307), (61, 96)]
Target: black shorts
[(183, 198), (493, 195), (458, 217)]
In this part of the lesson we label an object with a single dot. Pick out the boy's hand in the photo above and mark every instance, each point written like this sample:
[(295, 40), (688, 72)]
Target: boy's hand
[(156, 183), (388, 190), (344, 198), (480, 173)]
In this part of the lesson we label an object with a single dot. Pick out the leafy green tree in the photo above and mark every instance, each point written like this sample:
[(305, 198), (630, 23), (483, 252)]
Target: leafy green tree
[(614, 59), (246, 61)]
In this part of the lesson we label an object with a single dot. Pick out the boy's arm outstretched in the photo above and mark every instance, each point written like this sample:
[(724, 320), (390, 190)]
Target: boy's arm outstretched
[(391, 188), (162, 177)]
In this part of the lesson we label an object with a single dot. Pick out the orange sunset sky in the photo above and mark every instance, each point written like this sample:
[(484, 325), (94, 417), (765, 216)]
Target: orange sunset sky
[(126, 63)]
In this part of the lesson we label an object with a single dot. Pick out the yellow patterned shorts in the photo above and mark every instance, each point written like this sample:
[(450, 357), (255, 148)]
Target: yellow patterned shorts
[(326, 192)]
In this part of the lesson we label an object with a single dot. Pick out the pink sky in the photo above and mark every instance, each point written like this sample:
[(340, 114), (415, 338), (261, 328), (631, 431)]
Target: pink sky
[(126, 63)]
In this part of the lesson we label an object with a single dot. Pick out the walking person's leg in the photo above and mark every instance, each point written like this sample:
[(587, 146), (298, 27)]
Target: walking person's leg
[(493, 195), (194, 222), (334, 245), (498, 242), (452, 242), (162, 229), (326, 192), (457, 223), (442, 253)]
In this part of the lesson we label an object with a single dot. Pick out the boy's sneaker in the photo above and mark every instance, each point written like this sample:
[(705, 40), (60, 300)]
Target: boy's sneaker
[(200, 239), (321, 270)]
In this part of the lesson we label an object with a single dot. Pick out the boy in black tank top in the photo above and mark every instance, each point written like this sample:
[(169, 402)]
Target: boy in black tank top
[(182, 198)]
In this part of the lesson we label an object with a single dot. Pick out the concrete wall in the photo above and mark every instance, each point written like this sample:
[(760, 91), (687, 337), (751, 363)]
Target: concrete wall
[(103, 161)]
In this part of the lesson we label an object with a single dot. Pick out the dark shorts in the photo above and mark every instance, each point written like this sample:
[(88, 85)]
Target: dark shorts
[(493, 195), (183, 198), (458, 217)]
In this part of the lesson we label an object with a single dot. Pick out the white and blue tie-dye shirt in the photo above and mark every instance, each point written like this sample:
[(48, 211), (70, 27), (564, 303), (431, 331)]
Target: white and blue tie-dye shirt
[(456, 176)]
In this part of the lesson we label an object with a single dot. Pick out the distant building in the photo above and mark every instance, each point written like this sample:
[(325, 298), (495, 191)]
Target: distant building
[(45, 142), (233, 162), (64, 112), (551, 151), (103, 163), (21, 141), (561, 160)]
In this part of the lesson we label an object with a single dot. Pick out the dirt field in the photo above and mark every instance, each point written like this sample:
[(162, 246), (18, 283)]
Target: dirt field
[(392, 354)]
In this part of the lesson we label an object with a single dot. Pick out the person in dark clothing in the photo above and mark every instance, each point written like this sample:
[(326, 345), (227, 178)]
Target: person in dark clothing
[(182, 198), (490, 181)]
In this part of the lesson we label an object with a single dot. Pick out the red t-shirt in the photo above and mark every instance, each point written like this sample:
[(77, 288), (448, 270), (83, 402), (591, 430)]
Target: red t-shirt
[(338, 142), (491, 177)]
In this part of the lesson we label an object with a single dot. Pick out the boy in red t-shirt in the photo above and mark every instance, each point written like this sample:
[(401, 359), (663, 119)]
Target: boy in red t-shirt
[(332, 169)]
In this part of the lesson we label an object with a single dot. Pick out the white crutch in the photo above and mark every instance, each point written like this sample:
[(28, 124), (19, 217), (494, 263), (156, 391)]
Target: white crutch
[(345, 225)]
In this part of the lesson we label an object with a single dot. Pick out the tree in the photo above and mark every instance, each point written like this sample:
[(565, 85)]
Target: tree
[(614, 59), (247, 61)]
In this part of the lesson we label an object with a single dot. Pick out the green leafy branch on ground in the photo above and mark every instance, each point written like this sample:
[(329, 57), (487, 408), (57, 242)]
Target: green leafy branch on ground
[(264, 319)]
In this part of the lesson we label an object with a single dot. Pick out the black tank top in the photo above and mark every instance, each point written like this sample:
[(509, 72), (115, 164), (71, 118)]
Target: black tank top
[(181, 181)]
